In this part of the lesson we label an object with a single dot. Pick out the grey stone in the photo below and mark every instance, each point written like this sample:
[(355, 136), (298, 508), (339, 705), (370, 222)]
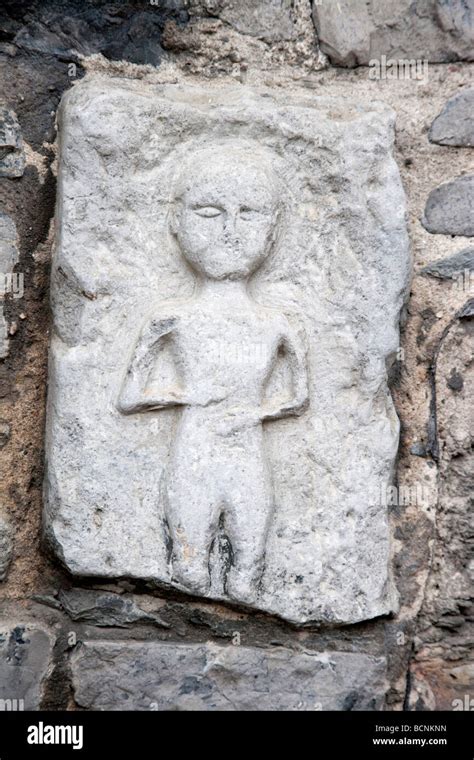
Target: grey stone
[(119, 31), (25, 664), (5, 431), (353, 33), (105, 609), (8, 259), (467, 310), (441, 668), (270, 20), (418, 449), (6, 547), (455, 123), (12, 156), (233, 471), (455, 381), (210, 677), (449, 209), (452, 267)]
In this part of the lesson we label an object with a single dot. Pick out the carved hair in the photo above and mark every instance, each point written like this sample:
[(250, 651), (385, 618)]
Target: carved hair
[(231, 152)]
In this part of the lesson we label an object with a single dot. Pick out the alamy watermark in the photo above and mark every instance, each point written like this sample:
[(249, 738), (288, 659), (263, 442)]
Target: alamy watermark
[(464, 280), (12, 705), (467, 703), (227, 353), (398, 496), (398, 68), (12, 283)]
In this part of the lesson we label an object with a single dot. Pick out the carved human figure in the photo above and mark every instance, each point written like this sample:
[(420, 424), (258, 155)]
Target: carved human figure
[(224, 347)]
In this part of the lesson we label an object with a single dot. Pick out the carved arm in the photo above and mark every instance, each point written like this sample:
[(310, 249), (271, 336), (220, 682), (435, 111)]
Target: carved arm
[(133, 396)]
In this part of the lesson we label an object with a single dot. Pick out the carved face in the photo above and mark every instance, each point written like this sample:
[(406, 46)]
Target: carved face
[(226, 215)]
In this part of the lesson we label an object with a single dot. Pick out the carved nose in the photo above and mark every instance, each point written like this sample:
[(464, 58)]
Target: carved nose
[(230, 227)]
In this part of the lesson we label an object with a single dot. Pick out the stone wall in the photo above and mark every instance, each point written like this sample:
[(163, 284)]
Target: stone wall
[(59, 632)]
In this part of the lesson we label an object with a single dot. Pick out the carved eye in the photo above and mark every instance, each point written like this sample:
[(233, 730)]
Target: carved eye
[(207, 211)]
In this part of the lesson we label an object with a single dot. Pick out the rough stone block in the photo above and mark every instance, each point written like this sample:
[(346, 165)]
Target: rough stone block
[(227, 284), (455, 123), (453, 266), (12, 156), (105, 609), (25, 662), (271, 20), (167, 676), (353, 33), (449, 208), (8, 259)]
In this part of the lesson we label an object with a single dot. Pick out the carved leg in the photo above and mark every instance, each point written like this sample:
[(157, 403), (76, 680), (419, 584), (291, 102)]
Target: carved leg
[(192, 516), (247, 520)]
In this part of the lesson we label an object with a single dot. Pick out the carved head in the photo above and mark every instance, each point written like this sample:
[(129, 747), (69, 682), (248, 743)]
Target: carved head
[(225, 212)]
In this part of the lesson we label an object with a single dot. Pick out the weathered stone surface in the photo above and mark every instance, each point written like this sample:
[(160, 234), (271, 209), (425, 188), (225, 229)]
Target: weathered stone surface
[(168, 676), (442, 670), (8, 259), (270, 20), (12, 156), (6, 547), (455, 123), (452, 267), (25, 663), (449, 209), (105, 609), (118, 31), (353, 33), (288, 515)]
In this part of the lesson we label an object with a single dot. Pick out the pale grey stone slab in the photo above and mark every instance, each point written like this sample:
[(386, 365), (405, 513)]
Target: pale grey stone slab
[(449, 209), (12, 156), (232, 442), (455, 123), (25, 663), (271, 20), (167, 676), (353, 33)]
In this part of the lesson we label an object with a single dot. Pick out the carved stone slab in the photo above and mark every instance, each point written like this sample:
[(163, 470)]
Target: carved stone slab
[(229, 274)]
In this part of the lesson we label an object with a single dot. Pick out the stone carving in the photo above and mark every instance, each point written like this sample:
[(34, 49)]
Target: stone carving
[(225, 346), (229, 273)]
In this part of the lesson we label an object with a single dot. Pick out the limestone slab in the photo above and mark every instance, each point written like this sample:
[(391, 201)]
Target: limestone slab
[(166, 676), (228, 278)]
